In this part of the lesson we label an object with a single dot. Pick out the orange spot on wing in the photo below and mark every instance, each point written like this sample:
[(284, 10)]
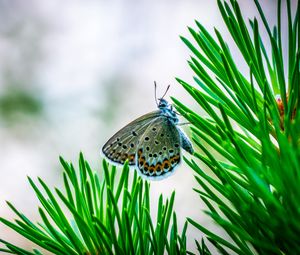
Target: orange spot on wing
[(175, 159), (140, 151), (131, 157), (151, 169), (141, 161), (158, 167)]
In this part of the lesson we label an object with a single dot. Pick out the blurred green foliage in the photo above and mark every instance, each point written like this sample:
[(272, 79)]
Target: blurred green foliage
[(17, 102)]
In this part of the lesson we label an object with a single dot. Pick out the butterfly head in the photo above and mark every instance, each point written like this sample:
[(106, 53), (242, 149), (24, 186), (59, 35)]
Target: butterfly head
[(163, 104), (166, 108)]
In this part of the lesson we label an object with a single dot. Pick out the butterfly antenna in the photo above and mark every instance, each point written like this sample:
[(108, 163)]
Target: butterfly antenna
[(166, 91), (155, 88)]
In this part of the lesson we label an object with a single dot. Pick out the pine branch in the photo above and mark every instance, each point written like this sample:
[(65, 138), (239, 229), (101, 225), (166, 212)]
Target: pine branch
[(109, 215), (254, 195)]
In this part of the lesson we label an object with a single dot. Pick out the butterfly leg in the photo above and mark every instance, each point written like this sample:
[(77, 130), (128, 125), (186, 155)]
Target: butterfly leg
[(183, 124)]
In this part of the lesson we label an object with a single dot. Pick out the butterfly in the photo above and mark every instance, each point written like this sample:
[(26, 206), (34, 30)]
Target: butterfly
[(151, 143)]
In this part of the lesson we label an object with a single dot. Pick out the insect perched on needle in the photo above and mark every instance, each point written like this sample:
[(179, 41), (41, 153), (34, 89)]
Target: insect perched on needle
[(152, 143)]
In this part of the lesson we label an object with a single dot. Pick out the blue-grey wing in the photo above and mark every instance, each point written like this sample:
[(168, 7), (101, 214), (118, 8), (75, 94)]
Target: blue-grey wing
[(123, 144), (185, 141), (158, 151)]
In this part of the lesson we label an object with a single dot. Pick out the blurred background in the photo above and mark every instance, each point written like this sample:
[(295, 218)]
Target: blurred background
[(74, 72)]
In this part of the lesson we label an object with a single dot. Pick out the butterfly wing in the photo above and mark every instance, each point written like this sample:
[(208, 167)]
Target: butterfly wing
[(123, 145), (158, 151), (185, 142)]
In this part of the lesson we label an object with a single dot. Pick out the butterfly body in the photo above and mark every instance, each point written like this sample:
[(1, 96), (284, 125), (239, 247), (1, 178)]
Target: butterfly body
[(151, 143)]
